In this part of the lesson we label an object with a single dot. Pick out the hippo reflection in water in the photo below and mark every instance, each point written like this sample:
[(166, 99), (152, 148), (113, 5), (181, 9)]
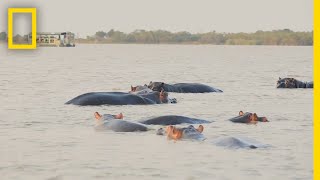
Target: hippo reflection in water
[(293, 83), (119, 98), (115, 123), (176, 133), (248, 118), (182, 87)]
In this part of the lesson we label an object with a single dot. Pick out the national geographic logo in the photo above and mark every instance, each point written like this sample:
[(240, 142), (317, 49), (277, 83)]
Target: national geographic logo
[(33, 12)]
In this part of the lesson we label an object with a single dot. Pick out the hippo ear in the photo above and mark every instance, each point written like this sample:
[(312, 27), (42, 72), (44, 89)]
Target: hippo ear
[(97, 116), (200, 129), (240, 113), (162, 83), (131, 88), (279, 78), (255, 117), (119, 116)]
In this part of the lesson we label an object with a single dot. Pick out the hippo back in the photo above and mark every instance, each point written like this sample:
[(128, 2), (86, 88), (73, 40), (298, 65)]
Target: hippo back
[(194, 88), (121, 126), (238, 142), (109, 98), (173, 120), (182, 87)]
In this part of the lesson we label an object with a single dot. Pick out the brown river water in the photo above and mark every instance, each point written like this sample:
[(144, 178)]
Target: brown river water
[(41, 138)]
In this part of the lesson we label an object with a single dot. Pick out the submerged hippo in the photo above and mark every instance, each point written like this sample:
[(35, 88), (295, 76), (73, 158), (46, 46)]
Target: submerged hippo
[(293, 83), (237, 142), (248, 118), (173, 120), (176, 133), (182, 87), (115, 123), (110, 98)]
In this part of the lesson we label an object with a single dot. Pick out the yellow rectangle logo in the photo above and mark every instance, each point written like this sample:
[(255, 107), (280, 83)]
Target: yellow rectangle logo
[(33, 12)]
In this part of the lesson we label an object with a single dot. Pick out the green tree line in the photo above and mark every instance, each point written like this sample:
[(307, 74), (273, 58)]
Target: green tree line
[(275, 37)]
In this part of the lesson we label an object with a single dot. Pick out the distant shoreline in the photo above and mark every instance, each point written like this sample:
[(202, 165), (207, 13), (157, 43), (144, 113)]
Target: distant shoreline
[(282, 37), (183, 44), (93, 43)]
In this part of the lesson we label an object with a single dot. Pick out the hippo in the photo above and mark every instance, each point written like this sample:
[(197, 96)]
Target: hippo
[(159, 97), (248, 118), (182, 87), (115, 123), (293, 83), (109, 98), (175, 133), (238, 142), (173, 120), (140, 89)]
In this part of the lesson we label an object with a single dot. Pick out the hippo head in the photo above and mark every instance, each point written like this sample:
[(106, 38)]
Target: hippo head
[(156, 86), (138, 88), (100, 119), (249, 117), (164, 97), (189, 132), (286, 83), (253, 117)]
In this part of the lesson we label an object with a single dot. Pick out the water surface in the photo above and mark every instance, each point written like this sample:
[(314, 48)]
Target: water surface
[(41, 138)]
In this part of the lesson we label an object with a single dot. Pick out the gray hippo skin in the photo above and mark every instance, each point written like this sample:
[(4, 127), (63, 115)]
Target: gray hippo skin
[(293, 83), (114, 123), (109, 98), (140, 89), (185, 133), (173, 120), (248, 118), (238, 142), (182, 87), (245, 118), (159, 97)]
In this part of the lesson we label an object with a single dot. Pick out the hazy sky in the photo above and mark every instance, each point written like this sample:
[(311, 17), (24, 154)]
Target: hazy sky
[(86, 17)]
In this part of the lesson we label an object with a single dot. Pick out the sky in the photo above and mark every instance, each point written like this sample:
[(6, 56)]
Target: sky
[(87, 17)]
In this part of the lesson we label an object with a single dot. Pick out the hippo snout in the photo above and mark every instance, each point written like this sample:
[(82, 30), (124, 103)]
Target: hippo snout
[(160, 132)]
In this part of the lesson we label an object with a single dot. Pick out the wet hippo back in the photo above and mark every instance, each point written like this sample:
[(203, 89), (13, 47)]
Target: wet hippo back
[(182, 87), (238, 142), (194, 88), (121, 126), (109, 98), (173, 120)]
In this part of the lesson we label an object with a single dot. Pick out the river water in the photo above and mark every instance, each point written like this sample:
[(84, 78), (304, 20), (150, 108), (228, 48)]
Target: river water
[(41, 138)]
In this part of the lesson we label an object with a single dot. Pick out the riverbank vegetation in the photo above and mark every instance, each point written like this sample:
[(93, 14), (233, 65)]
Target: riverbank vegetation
[(276, 37)]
